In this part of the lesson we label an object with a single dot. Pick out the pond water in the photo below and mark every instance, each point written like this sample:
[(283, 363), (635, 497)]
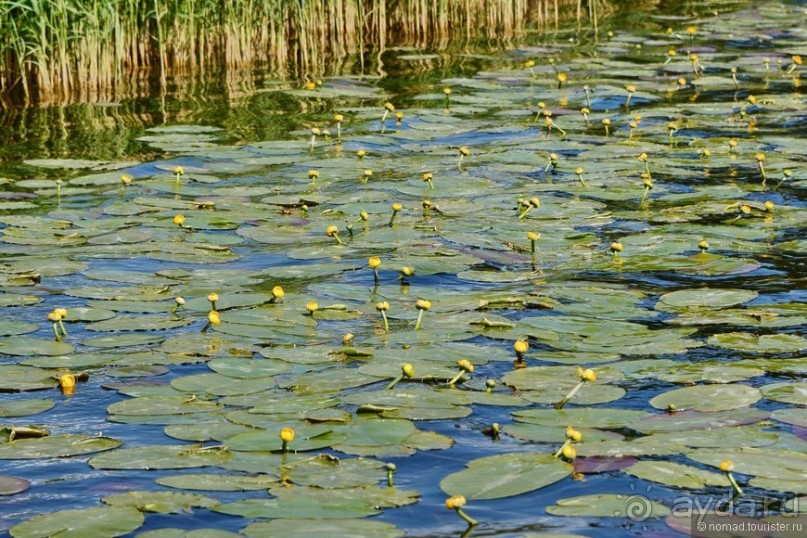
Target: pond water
[(666, 255)]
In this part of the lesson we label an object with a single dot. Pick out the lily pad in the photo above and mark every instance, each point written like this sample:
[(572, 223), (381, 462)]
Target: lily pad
[(677, 475), (324, 528), (29, 406), (162, 502), (11, 485), (608, 505), (161, 457), (506, 475), (218, 482), (82, 523), (56, 446), (707, 398)]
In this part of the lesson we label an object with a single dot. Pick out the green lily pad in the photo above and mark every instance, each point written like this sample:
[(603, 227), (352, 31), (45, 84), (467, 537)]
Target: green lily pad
[(684, 421), (328, 472), (28, 406), (27, 345), (676, 475), (792, 393), (707, 398), (179, 533), (753, 343), (160, 457), (506, 475), (707, 298), (218, 482), (162, 405), (319, 503), (162, 502), (14, 378), (578, 418), (307, 437), (82, 523), (608, 505), (324, 528), (761, 462), (56, 446)]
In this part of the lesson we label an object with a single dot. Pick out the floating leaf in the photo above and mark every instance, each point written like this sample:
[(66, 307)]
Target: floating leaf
[(218, 482), (11, 485), (160, 457), (608, 505), (506, 475), (677, 475), (56, 446), (707, 398), (104, 521), (325, 528), (29, 406)]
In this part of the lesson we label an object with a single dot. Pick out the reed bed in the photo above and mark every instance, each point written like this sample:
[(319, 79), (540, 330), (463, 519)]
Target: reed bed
[(91, 50)]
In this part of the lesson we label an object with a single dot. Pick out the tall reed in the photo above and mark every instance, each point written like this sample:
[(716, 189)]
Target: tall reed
[(90, 50)]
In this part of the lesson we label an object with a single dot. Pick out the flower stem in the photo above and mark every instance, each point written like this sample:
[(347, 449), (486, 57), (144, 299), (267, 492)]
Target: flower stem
[(569, 396), (386, 323), (560, 450), (395, 382), (468, 519), (420, 318), (734, 483)]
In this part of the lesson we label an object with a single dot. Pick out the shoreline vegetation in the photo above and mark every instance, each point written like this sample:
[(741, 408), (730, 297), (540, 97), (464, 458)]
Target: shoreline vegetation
[(59, 51)]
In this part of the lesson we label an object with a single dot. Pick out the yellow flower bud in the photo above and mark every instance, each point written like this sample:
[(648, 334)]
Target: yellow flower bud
[(179, 220), (466, 365), (61, 311), (277, 292), (465, 151), (313, 174), (616, 246), (568, 452), (213, 297), (573, 435), (389, 106), (178, 170), (521, 346), (180, 301), (455, 502), (126, 179), (768, 205), (214, 318), (361, 153), (447, 90), (586, 375), (704, 245), (423, 304), (67, 381), (287, 435), (374, 262), (347, 339), (759, 157), (630, 88), (382, 306), (396, 207), (332, 230), (312, 306), (532, 236), (338, 118), (408, 370), (726, 466), (407, 271), (54, 317)]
